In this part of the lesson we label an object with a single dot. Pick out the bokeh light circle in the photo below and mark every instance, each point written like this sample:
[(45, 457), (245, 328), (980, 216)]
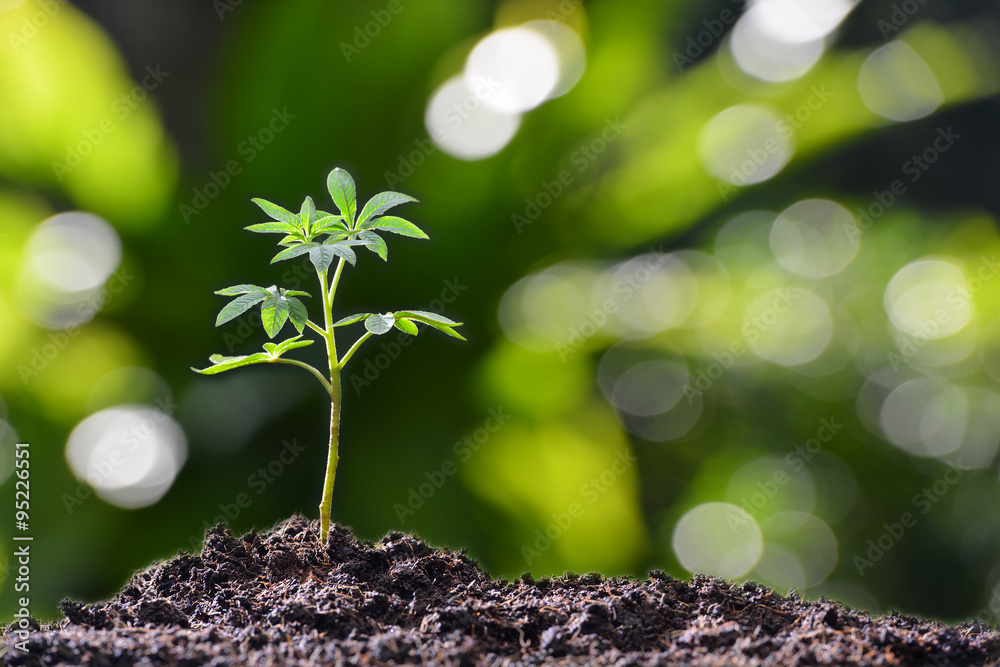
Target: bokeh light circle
[(815, 238), (719, 539)]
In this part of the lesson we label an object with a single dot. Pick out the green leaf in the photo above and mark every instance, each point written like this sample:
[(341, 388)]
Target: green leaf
[(240, 305), (270, 348), (406, 326), (294, 292), (294, 251), (243, 289), (274, 314), (350, 319), (395, 225), (273, 228), (292, 343), (307, 214), (383, 201), (329, 224), (427, 317), (380, 324), (297, 313), (343, 249), (321, 256), (291, 240), (277, 213), (342, 189), (221, 364), (439, 322), (375, 243)]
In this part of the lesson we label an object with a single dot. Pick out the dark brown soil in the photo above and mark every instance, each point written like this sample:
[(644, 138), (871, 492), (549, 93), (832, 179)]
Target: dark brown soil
[(281, 598)]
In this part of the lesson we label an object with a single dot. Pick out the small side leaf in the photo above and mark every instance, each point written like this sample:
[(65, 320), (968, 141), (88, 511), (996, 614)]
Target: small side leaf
[(380, 324), (343, 249), (439, 322), (274, 314), (245, 288), (221, 364), (238, 306), (294, 251), (329, 224), (291, 344), (395, 225), (277, 213), (350, 319), (381, 202), (272, 228), (375, 243), (406, 326), (297, 313), (321, 256), (342, 189), (307, 214)]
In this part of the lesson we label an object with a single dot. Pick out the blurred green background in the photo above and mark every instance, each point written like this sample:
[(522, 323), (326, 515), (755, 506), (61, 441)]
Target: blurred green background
[(727, 275)]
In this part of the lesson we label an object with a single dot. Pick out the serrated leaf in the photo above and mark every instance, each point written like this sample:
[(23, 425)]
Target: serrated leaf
[(292, 343), (291, 240), (294, 251), (221, 364), (272, 228), (276, 212), (329, 224), (439, 322), (321, 256), (297, 313), (427, 317), (350, 319), (342, 189), (307, 214), (274, 314), (375, 243), (406, 326), (343, 249), (380, 324), (240, 305), (395, 225), (244, 288), (381, 202)]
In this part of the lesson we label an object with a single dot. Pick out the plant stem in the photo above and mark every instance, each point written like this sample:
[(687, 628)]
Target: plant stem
[(302, 364), (354, 348), (333, 456)]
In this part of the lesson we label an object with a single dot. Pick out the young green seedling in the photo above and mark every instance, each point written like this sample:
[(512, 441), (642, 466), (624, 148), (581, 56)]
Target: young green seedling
[(325, 238)]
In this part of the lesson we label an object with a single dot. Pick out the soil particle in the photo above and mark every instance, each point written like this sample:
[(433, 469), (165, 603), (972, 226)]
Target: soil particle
[(281, 598)]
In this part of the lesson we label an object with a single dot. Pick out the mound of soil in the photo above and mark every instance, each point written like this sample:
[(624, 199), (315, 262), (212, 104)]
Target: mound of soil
[(283, 598)]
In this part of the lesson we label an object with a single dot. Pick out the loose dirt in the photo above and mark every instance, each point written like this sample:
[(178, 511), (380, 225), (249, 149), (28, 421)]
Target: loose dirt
[(281, 598)]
